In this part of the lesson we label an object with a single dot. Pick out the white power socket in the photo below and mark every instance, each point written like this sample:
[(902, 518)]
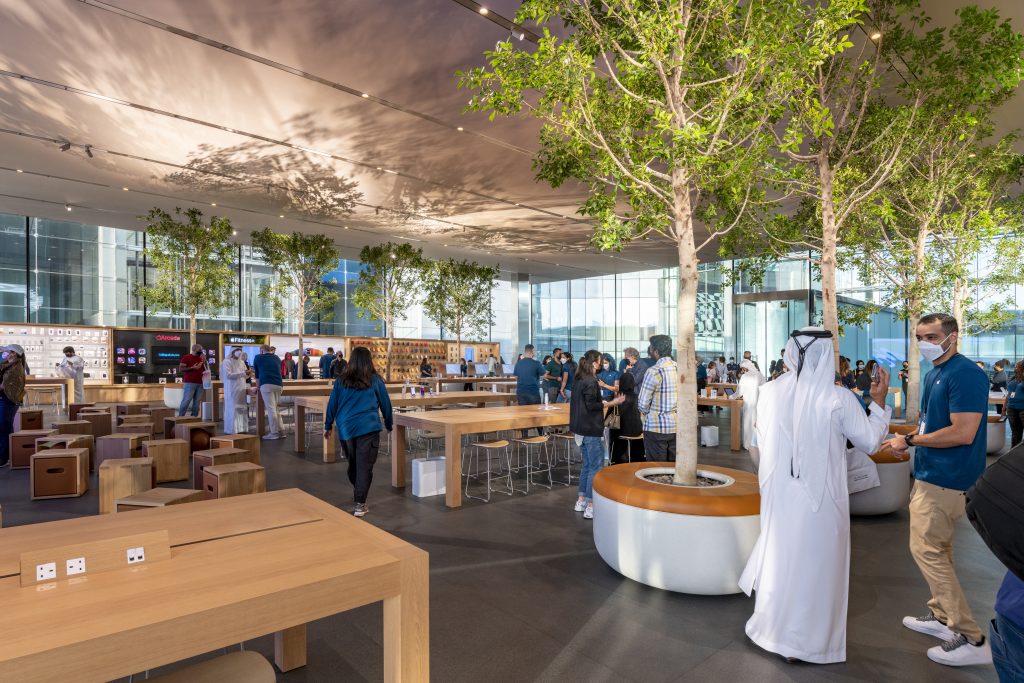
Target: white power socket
[(46, 572), (136, 555), (76, 566)]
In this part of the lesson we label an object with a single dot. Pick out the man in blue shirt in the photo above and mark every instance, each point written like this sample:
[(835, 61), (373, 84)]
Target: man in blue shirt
[(950, 456), (528, 372), (325, 363), (267, 367)]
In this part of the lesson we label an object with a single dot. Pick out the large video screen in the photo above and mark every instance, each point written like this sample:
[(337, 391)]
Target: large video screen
[(152, 356)]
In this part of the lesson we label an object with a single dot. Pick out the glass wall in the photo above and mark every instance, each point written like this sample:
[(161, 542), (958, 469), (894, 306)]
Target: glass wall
[(13, 268)]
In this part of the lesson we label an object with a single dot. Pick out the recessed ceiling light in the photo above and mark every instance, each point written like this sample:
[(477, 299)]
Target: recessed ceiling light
[(213, 204), (19, 170), (234, 232), (459, 128), (365, 95), (346, 227), (379, 168), (67, 207), (876, 35), (526, 259), (517, 203), (281, 216), (124, 189), (483, 11)]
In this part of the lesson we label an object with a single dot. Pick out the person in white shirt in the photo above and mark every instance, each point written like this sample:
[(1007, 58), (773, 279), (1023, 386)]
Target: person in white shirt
[(234, 373), (73, 367)]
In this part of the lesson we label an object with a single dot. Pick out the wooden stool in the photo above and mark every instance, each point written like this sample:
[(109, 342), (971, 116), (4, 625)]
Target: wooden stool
[(25, 420), (235, 667), (216, 456), (72, 426), (118, 446), (170, 458), (236, 479), (100, 420), (75, 408), (124, 477), (59, 473), (132, 419), (62, 441), (157, 415), (197, 434), (170, 423), (144, 428), (249, 442), (159, 497), (133, 408), (23, 444)]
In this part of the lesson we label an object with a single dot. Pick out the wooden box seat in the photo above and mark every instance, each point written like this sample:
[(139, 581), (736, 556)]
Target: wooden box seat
[(22, 444), (124, 477), (236, 479), (116, 446), (170, 458), (75, 408), (62, 441), (172, 421), (144, 428), (158, 497), (197, 434), (72, 427), (216, 456), (25, 420), (249, 442), (59, 473), (99, 419)]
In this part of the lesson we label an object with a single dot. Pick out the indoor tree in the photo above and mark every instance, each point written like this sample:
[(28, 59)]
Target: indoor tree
[(194, 262), (301, 264), (458, 297), (663, 110), (388, 285)]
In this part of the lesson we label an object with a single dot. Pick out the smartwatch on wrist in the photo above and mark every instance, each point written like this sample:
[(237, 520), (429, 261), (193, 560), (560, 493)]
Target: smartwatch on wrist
[(909, 438)]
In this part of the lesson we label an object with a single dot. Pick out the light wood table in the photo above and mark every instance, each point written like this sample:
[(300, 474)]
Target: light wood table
[(735, 406), (318, 404), (439, 382), (455, 423), (108, 625), (66, 384)]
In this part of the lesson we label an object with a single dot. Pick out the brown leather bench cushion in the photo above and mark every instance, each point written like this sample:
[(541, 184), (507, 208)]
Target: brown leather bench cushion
[(902, 428), (887, 456), (995, 418), (620, 483)]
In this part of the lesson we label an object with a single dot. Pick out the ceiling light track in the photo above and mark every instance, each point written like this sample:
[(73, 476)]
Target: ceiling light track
[(238, 52), (490, 15), (262, 138)]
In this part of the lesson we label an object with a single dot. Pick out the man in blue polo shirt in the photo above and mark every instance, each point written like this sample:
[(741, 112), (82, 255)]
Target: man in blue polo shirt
[(267, 366), (528, 372), (950, 456)]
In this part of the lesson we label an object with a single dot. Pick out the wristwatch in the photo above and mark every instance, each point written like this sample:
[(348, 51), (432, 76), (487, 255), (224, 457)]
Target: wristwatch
[(909, 438)]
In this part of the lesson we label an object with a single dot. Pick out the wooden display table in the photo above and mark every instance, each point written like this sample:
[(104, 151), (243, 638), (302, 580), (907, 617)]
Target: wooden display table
[(117, 446), (28, 419), (170, 458), (236, 479), (438, 382), (454, 423), (124, 477), (217, 456), (21, 446), (324, 561), (159, 497), (735, 406), (59, 473), (66, 385)]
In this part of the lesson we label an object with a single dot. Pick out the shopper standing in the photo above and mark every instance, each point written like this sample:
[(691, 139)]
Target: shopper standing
[(192, 366), (586, 420), (425, 369), (630, 424), (357, 401), (73, 367), (492, 365), (999, 380), (864, 382), (635, 365), (568, 378), (12, 393), (234, 373), (1015, 404), (657, 402), (553, 376), (325, 363), (302, 371), (338, 366), (949, 457), (608, 379), (528, 372), (267, 367)]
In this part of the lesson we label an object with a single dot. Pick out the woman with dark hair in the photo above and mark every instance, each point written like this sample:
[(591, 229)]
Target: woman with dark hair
[(586, 420), (569, 367), (864, 382), (13, 369), (630, 424), (1015, 404), (425, 369), (357, 400)]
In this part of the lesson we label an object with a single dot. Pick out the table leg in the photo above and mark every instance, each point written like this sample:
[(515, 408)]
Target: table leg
[(215, 408), (398, 435), (897, 401), (734, 424), (453, 467), (261, 415), (330, 450), (407, 622), (300, 428), (290, 648)]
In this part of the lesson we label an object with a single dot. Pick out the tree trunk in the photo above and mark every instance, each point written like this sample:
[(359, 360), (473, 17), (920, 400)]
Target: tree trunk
[(829, 242), (958, 305), (686, 314), (914, 311), (191, 330), (302, 320), (387, 360)]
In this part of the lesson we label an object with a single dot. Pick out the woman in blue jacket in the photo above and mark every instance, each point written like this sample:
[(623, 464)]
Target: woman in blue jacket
[(358, 399)]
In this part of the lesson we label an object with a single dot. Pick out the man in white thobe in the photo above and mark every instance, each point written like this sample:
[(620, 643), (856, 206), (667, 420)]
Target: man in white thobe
[(800, 566), (73, 367)]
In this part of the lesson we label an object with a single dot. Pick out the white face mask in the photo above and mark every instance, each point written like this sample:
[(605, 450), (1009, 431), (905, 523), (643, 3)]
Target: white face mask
[(931, 351)]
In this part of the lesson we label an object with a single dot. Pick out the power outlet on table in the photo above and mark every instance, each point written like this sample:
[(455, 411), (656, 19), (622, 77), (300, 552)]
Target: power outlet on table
[(46, 572), (76, 566), (136, 555)]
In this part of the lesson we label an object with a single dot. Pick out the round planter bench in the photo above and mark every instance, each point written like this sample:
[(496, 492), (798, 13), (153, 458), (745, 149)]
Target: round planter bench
[(996, 433), (893, 491), (683, 539)]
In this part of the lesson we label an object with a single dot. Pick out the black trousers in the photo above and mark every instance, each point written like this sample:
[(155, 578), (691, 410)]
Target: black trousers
[(530, 399), (8, 409), (362, 454), (1016, 419), (659, 447)]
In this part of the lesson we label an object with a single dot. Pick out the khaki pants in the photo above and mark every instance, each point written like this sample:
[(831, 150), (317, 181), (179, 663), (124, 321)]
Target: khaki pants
[(933, 513)]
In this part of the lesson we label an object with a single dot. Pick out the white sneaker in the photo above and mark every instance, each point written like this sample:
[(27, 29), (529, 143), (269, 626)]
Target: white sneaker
[(271, 436), (929, 625), (958, 651), (589, 514), (580, 505), (361, 510)]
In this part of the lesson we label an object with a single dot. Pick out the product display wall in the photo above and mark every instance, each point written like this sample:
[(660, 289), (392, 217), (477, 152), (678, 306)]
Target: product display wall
[(44, 348)]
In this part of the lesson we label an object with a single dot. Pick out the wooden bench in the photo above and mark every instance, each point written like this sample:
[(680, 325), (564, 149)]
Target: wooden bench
[(216, 456), (236, 479), (124, 477), (236, 667), (22, 444), (170, 458), (59, 473), (158, 497)]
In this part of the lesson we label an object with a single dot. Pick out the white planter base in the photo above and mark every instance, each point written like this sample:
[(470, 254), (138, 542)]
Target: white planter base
[(683, 553), (892, 493)]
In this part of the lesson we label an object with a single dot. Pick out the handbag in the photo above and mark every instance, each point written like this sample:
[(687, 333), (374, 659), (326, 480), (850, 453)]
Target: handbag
[(612, 420), (995, 508), (207, 380)]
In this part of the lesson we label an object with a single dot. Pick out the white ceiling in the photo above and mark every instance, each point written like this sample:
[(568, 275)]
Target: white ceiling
[(180, 122)]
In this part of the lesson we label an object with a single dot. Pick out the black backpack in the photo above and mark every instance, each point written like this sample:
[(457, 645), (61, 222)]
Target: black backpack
[(995, 507)]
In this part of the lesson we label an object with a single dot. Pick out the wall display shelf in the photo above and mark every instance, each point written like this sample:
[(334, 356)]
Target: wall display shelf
[(44, 348), (406, 355)]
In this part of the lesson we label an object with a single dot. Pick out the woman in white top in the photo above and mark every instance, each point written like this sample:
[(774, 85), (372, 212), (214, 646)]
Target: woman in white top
[(751, 380), (234, 373)]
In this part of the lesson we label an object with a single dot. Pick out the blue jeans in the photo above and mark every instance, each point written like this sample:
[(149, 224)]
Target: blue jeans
[(1007, 641), (593, 459), (191, 393), (8, 409)]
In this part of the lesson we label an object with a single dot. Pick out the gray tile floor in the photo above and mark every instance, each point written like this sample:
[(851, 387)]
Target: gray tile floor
[(518, 593)]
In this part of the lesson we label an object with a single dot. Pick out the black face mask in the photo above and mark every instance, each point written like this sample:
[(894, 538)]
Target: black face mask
[(802, 349)]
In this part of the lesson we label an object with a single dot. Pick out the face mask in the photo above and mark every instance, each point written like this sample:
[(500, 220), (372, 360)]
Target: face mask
[(606, 366), (931, 351)]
